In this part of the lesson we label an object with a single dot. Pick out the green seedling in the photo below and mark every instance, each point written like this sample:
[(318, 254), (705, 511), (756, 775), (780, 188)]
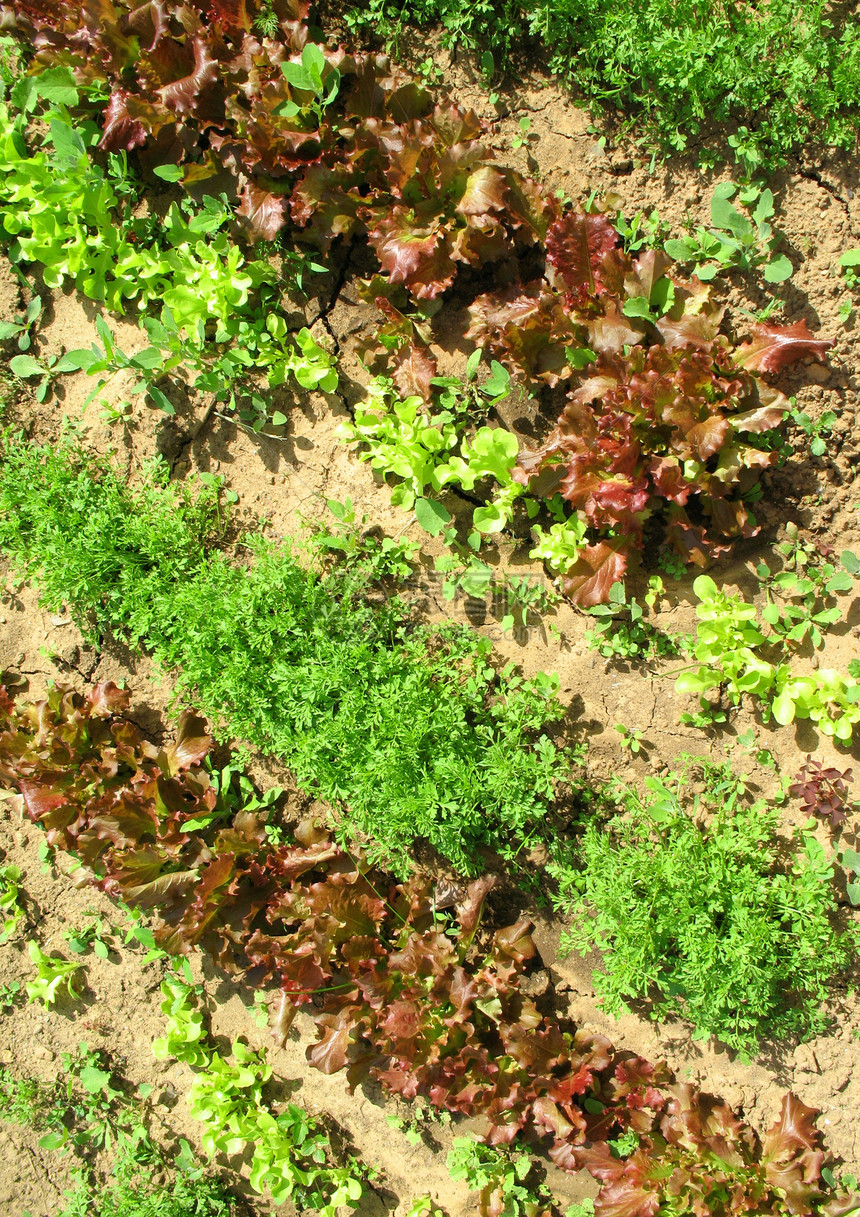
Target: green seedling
[(140, 934), (654, 306), (371, 557), (95, 1113), (9, 994), (45, 370), (422, 1118), (621, 631), (20, 328), (521, 137), (91, 936), (425, 1206), (498, 1177), (468, 400), (850, 262), (641, 231), (54, 974), (315, 82), (737, 241), (560, 547), (806, 590), (11, 910), (817, 429), (631, 738)]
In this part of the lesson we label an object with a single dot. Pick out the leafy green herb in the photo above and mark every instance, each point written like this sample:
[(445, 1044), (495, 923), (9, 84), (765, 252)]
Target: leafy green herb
[(734, 941), (737, 241)]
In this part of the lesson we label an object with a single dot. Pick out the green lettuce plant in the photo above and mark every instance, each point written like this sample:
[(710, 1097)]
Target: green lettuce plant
[(732, 648), (53, 975), (289, 1151)]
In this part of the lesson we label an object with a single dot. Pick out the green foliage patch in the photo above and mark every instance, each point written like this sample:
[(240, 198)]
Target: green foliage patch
[(696, 904), (411, 730), (764, 78)]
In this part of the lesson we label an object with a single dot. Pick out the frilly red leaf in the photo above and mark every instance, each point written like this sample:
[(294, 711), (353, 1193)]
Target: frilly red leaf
[(588, 581), (774, 347)]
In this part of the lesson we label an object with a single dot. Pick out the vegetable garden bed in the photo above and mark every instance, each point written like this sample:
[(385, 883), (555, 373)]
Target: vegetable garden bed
[(383, 431)]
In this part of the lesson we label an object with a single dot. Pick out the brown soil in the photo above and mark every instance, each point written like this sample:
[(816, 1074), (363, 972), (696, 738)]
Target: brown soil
[(292, 474)]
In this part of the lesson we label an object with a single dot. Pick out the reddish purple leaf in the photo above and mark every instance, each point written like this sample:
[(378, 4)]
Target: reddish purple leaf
[(774, 347)]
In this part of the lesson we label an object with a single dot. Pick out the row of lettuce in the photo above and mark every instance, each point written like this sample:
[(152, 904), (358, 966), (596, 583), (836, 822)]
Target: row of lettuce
[(403, 985), (667, 426)]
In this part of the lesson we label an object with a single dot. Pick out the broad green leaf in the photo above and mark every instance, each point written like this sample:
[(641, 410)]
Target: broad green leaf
[(298, 77), (68, 143), (778, 269), (93, 1080), (8, 329), (313, 59), (82, 359), (432, 515), (637, 306), (579, 357), (169, 173), (783, 708), (707, 272), (851, 257), (850, 561), (55, 85), (26, 365), (164, 403), (489, 519), (148, 358), (681, 249), (498, 382)]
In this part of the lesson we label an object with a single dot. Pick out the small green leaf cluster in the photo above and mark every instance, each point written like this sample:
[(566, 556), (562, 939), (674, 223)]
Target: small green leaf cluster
[(737, 241), (314, 81), (94, 935), (53, 976), (499, 1178), (11, 910), (622, 632), (815, 428), (427, 451), (729, 648), (20, 328), (82, 1108), (849, 261), (513, 596), (694, 904), (289, 1151), (806, 587), (366, 556)]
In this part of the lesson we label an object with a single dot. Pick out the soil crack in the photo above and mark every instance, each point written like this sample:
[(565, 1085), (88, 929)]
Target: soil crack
[(810, 174)]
